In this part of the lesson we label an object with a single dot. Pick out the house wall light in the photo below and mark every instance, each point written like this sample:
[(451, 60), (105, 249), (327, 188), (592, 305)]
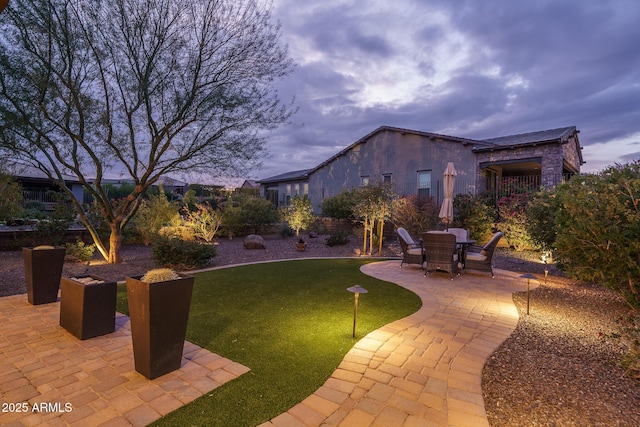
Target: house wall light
[(357, 290)]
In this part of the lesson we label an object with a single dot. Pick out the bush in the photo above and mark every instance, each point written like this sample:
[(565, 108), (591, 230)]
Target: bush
[(155, 213), (204, 221), (513, 220), (181, 255), (338, 238), (11, 200), (476, 214), (79, 252), (340, 206), (599, 220), (415, 214), (287, 231), (541, 213), (257, 213)]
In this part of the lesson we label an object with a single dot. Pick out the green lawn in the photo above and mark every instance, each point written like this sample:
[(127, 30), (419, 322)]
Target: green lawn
[(290, 322)]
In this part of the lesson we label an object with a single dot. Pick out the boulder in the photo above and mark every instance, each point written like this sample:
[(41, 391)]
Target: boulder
[(253, 241)]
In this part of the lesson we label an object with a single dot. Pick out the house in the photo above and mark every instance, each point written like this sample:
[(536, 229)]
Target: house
[(413, 162), (36, 185)]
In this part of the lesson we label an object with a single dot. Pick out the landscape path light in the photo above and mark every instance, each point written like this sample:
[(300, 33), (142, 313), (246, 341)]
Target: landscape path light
[(357, 290), (528, 276)]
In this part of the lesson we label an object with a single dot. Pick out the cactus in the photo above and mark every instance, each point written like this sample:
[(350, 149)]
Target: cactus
[(159, 275)]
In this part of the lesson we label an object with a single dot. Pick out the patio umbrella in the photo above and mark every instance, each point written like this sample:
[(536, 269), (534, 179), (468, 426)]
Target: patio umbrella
[(446, 210)]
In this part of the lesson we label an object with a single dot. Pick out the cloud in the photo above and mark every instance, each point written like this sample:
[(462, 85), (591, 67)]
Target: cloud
[(464, 68)]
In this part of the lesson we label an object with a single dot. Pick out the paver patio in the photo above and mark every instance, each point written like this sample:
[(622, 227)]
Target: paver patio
[(423, 370), (91, 382)]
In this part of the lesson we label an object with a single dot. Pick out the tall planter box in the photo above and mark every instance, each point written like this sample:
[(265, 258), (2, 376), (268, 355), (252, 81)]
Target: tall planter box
[(42, 272), (88, 310), (159, 313)]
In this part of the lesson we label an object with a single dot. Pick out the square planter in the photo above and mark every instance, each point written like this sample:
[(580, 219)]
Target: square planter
[(42, 271), (159, 313), (88, 310)]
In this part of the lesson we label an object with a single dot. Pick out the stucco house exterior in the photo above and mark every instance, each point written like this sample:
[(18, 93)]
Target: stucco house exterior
[(414, 163)]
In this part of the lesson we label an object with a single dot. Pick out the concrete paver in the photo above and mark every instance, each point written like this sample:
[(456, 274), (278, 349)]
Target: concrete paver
[(423, 370), (49, 377)]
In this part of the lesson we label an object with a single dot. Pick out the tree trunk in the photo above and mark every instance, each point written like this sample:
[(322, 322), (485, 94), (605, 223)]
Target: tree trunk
[(380, 235), (115, 242)]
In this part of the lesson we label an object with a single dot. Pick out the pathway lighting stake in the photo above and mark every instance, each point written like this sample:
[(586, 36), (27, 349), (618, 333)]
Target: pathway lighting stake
[(528, 276), (357, 290)]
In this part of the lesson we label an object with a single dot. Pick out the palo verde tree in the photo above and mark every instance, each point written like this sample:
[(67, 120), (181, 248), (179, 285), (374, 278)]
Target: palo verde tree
[(374, 206), (144, 88)]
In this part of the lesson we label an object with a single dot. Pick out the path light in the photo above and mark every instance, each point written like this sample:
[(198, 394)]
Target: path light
[(528, 276), (357, 290)]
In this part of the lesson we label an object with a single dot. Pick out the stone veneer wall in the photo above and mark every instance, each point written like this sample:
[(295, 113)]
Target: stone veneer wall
[(551, 167)]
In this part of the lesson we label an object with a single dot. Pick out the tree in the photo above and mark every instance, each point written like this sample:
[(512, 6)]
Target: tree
[(299, 214), (374, 206), (11, 200), (146, 88)]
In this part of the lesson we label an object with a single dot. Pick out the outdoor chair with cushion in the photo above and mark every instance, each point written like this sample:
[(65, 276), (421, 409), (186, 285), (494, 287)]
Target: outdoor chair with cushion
[(462, 234), (411, 251), (481, 257), (440, 252)]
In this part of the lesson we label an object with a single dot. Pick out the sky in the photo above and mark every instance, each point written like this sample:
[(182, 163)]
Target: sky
[(475, 69)]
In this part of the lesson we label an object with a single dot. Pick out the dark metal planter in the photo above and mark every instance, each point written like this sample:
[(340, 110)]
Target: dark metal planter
[(42, 271), (88, 310), (159, 313)]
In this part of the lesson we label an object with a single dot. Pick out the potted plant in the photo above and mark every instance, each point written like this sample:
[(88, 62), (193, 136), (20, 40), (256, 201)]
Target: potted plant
[(88, 306), (301, 246), (42, 272), (159, 304)]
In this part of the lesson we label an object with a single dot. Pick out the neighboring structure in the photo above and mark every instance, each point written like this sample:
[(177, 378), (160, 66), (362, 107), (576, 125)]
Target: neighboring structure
[(36, 185), (414, 162)]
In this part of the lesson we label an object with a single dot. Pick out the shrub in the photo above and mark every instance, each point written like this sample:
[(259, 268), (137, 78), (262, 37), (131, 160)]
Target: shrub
[(340, 206), (338, 238), (415, 214), (287, 231), (599, 219), (204, 221), (476, 214), (155, 213), (541, 213), (513, 220), (11, 200), (257, 213), (181, 255), (79, 251)]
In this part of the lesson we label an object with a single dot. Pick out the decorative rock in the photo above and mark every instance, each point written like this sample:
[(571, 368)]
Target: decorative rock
[(313, 235), (357, 252), (253, 241)]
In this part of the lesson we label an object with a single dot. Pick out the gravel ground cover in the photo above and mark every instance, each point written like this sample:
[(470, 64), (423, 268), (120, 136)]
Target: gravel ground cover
[(554, 370)]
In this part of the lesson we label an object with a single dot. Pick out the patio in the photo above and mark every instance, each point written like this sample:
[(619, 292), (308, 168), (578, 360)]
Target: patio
[(423, 368)]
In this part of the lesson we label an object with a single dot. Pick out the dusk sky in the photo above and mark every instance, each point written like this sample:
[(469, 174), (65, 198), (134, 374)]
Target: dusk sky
[(475, 69)]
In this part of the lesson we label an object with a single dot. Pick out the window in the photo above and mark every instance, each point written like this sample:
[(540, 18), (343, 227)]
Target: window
[(305, 187), (364, 181), (424, 183), (386, 178)]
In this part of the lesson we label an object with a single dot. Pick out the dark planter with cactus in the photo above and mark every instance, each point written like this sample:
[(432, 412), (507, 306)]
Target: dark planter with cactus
[(42, 273), (88, 306), (159, 304)]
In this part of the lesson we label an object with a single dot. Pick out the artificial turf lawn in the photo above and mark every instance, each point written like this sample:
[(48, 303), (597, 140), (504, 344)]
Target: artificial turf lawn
[(290, 322)]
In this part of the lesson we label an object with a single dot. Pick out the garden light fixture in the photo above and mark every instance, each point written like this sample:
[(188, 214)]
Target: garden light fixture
[(528, 276), (357, 290)]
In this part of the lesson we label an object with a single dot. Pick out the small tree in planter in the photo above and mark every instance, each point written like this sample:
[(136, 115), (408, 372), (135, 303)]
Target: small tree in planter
[(42, 272), (159, 304)]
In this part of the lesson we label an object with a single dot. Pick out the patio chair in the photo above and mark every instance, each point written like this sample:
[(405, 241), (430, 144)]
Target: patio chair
[(481, 257), (440, 252), (462, 234), (412, 252)]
